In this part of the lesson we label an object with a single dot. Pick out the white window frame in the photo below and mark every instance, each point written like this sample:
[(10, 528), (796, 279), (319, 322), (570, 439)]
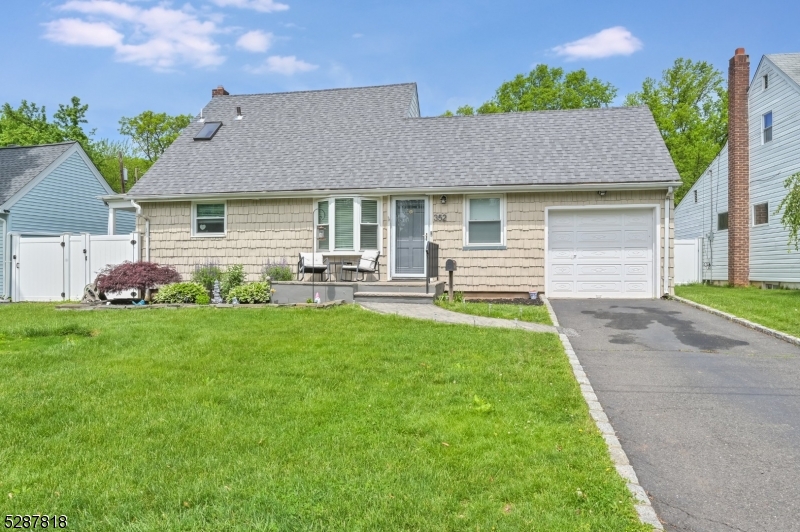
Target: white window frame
[(764, 128), (195, 234), (502, 244), (753, 214), (765, 80), (356, 224), (729, 221)]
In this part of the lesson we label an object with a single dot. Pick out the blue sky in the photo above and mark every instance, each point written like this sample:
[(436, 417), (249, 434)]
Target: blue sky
[(126, 56)]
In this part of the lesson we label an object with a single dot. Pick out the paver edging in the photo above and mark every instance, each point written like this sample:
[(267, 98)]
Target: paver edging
[(741, 321), (644, 507)]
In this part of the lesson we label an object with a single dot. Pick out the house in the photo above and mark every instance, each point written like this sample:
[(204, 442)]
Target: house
[(572, 203), (733, 206), (50, 190)]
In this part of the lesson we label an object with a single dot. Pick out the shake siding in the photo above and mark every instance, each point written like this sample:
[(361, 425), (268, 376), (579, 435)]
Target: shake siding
[(270, 229), (3, 244), (66, 201), (770, 165)]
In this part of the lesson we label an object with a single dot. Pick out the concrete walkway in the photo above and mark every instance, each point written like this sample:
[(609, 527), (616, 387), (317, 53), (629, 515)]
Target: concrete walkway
[(432, 312)]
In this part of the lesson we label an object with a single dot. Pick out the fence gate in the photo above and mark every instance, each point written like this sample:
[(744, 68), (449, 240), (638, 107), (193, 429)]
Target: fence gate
[(688, 261), (56, 268)]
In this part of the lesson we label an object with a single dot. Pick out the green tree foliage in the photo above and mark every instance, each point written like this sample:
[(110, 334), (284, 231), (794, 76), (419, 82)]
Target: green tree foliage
[(28, 124), (791, 209), (690, 107), (545, 88), (152, 133), (106, 159)]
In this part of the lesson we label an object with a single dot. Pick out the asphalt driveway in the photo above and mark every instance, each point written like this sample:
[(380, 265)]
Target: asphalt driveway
[(708, 411)]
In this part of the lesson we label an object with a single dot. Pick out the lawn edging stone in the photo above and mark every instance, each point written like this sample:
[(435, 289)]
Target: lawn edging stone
[(81, 306), (741, 321), (644, 507)]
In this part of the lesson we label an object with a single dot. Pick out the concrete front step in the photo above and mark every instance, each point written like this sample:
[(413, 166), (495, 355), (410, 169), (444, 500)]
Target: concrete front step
[(401, 287), (394, 297)]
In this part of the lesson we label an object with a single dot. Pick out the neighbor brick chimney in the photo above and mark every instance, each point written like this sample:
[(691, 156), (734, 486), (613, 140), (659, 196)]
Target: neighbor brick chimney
[(219, 91), (738, 170)]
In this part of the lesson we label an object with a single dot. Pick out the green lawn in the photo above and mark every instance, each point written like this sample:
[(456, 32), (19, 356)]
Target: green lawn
[(777, 309), (535, 314), (295, 419)]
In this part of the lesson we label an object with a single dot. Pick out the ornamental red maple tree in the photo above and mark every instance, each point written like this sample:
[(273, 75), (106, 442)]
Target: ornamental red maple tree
[(140, 276)]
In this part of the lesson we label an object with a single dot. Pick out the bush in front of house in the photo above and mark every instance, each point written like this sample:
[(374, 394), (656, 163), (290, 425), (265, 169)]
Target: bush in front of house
[(231, 278), (206, 274), (141, 276), (250, 293), (181, 293), (277, 271)]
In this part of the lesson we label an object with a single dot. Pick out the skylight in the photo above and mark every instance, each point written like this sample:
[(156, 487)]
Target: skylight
[(208, 131)]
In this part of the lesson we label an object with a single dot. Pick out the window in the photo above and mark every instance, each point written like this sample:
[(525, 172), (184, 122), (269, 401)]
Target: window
[(348, 224), (369, 224), (768, 127), (209, 219), (766, 81), (761, 214), (695, 196), (208, 131), (722, 221), (485, 217)]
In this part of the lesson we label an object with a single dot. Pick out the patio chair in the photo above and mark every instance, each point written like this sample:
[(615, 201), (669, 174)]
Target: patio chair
[(313, 263), (367, 264)]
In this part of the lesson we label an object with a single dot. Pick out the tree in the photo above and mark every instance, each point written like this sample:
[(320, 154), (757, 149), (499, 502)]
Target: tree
[(546, 88), (690, 107), (106, 159), (141, 276), (152, 133), (28, 125), (791, 209)]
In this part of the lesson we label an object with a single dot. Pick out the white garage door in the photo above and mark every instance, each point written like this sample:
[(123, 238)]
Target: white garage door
[(600, 253)]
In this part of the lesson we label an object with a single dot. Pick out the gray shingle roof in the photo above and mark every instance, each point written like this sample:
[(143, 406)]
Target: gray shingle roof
[(19, 165), (363, 138), (788, 63)]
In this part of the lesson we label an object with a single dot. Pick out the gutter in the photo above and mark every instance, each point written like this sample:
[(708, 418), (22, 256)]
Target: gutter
[(667, 235), (289, 194), (146, 230)]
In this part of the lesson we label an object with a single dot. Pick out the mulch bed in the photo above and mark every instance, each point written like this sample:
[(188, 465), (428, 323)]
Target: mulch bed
[(515, 301)]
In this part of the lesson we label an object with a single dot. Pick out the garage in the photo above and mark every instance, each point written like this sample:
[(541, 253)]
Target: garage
[(601, 253)]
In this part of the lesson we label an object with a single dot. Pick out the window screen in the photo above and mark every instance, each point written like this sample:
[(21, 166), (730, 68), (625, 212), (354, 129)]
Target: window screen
[(324, 224), (369, 224), (761, 214), (208, 131), (210, 218), (485, 221), (722, 221), (768, 127), (343, 217)]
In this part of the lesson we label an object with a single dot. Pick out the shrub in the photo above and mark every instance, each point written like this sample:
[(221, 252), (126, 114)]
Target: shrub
[(206, 274), (140, 276), (250, 293), (231, 278), (204, 299), (277, 271), (180, 293)]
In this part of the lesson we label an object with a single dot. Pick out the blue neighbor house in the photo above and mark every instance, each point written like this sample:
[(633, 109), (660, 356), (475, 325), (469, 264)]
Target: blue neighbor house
[(51, 190)]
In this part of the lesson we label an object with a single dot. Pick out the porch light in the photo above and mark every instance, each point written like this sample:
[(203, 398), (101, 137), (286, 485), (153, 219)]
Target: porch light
[(443, 200), (601, 193)]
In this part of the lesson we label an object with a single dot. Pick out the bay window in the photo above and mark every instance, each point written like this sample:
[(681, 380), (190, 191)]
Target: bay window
[(349, 224)]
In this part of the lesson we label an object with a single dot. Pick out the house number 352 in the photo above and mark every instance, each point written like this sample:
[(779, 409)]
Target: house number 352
[(440, 217)]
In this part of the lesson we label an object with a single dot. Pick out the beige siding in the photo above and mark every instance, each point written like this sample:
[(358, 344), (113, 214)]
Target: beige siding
[(260, 230)]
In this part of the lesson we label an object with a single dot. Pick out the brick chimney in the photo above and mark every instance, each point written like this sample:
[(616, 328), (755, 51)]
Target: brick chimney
[(219, 91), (738, 170)]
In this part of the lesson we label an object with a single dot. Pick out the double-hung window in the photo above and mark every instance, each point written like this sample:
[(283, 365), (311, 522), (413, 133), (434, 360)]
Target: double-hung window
[(208, 219), (761, 214), (767, 127), (348, 224), (485, 221)]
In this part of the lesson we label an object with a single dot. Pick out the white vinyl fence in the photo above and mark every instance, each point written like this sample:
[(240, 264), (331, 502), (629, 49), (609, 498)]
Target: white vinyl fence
[(688, 261), (55, 268)]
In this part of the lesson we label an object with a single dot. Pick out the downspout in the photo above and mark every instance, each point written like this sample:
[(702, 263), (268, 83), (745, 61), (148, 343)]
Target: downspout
[(666, 240), (147, 230)]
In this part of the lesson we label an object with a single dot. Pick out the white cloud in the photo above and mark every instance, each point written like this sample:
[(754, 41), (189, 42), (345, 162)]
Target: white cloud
[(159, 37), (357, 35), (255, 41), (606, 43), (264, 6), (76, 32), (286, 65)]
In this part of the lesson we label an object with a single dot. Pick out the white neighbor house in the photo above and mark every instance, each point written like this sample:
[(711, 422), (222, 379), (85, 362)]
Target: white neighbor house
[(774, 126)]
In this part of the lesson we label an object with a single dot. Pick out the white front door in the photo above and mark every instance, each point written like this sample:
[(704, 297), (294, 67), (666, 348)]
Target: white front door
[(409, 222), (601, 253)]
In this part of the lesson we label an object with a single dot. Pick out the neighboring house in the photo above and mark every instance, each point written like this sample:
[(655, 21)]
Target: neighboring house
[(51, 190), (768, 114), (572, 203)]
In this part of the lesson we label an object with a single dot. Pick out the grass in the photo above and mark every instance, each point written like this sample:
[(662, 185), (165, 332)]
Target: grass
[(535, 314), (295, 419), (777, 309)]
